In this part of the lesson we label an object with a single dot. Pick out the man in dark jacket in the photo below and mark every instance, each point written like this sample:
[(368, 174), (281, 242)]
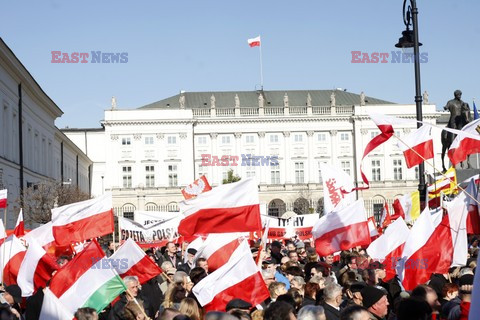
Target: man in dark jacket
[(172, 255), (333, 298)]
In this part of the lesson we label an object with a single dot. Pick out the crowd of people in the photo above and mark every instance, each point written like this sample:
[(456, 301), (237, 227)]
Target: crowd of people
[(301, 285)]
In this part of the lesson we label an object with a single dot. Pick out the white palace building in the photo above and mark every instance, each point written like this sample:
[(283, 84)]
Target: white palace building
[(146, 155)]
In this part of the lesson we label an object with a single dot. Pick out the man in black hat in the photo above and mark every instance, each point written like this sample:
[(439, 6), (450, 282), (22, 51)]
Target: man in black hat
[(13, 297), (189, 265), (376, 302), (238, 304)]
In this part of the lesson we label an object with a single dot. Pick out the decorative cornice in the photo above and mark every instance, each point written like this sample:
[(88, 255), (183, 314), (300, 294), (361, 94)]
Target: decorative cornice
[(160, 136), (333, 132), (261, 134), (213, 135), (310, 133), (237, 135), (286, 134), (137, 136), (183, 135)]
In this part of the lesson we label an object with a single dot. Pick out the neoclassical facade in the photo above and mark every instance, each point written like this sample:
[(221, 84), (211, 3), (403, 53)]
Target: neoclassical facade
[(146, 155), (32, 148)]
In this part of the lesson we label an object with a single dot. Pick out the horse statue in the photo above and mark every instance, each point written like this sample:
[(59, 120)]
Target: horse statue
[(459, 117)]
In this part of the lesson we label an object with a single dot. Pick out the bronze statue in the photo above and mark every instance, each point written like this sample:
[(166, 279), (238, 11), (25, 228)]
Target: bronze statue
[(459, 117)]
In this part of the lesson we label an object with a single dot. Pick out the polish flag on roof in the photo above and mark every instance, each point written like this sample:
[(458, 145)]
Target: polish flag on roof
[(254, 42)]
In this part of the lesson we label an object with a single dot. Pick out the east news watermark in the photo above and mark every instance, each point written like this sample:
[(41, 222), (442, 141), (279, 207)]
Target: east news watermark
[(89, 57), (387, 57)]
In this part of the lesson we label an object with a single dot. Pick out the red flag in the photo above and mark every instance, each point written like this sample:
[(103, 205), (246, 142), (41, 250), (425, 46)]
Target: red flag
[(421, 255), (198, 186), (19, 230), (3, 198), (12, 252), (386, 219), (238, 278), (419, 146), (389, 246), (342, 230), (233, 207), (254, 42), (218, 248), (83, 220), (464, 145)]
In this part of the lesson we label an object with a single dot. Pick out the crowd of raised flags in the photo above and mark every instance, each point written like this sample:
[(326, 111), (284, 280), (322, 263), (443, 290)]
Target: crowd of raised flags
[(225, 260)]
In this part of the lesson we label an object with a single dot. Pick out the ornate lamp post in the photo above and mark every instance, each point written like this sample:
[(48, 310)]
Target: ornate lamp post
[(409, 39)]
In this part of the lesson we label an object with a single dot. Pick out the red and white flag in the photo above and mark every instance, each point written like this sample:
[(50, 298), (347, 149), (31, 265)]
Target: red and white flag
[(83, 220), (421, 255), (36, 269), (238, 278), (131, 260), (198, 186), (232, 207), (218, 248), (254, 42), (342, 230), (3, 198), (458, 211), (19, 230), (12, 252), (417, 146), (372, 227), (389, 246), (464, 145), (385, 124), (385, 220), (334, 181)]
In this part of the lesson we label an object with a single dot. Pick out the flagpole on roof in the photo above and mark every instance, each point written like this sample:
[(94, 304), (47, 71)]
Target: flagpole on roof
[(261, 64)]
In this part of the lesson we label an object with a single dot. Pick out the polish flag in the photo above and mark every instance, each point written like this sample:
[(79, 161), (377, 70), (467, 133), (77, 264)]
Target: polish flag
[(458, 212), (12, 253), (83, 220), (385, 124), (19, 230), (473, 218), (218, 248), (342, 230), (428, 250), (3, 198), (36, 269), (389, 246), (198, 186), (238, 278), (386, 219), (408, 206), (372, 227), (254, 42), (334, 181), (131, 260), (464, 145), (417, 146), (232, 207)]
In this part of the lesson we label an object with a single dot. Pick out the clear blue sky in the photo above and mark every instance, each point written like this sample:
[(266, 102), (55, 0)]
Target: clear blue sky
[(201, 46)]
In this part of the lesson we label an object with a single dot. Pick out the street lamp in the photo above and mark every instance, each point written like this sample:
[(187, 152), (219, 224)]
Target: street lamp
[(409, 39)]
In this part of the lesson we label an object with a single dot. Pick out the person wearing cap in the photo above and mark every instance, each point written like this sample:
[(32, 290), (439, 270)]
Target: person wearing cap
[(375, 301), (13, 297), (238, 304), (352, 293), (189, 264)]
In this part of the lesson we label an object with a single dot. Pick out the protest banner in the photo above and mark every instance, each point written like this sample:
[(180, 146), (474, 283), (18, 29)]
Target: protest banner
[(146, 218), (152, 235)]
